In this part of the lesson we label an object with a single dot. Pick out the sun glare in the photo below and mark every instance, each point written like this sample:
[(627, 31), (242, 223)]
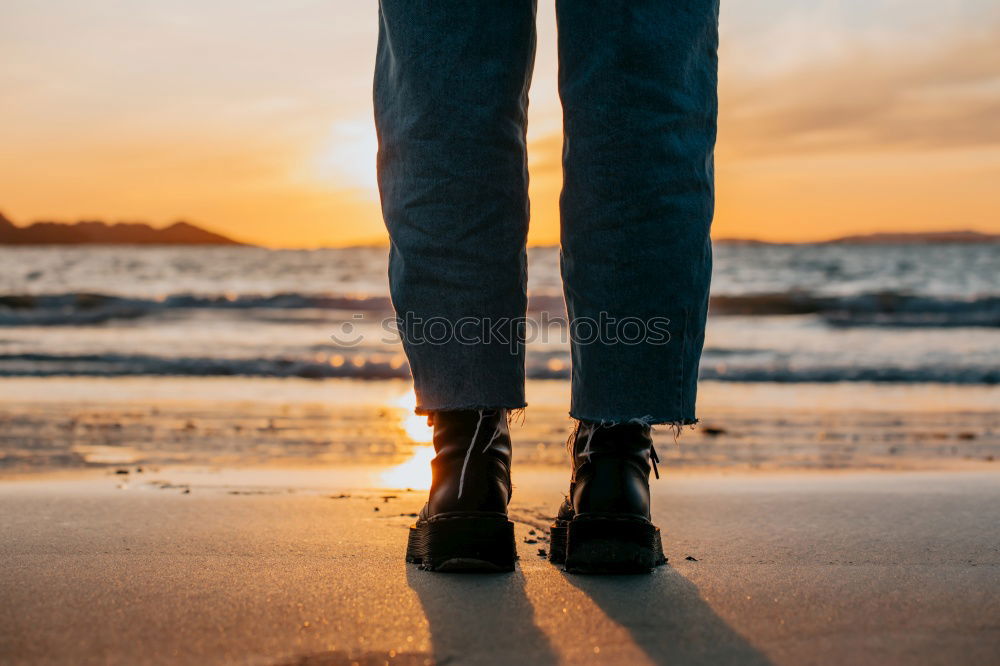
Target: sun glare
[(414, 425), (415, 471), (349, 155)]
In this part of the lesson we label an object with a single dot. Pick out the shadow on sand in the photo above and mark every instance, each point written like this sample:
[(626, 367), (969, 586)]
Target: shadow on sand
[(474, 618), (668, 619)]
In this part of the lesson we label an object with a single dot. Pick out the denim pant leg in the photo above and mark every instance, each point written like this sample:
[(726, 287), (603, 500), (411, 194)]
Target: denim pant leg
[(451, 95), (638, 84)]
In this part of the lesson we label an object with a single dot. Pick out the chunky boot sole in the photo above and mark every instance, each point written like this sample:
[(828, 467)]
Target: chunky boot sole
[(606, 545), (463, 542)]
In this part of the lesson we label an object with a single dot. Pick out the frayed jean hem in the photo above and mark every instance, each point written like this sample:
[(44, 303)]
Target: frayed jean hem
[(423, 410), (647, 419)]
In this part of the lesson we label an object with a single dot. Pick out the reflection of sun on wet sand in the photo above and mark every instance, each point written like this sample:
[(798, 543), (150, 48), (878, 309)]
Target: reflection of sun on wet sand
[(415, 471)]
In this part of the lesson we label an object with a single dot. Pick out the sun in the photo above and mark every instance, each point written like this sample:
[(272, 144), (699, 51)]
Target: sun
[(348, 156)]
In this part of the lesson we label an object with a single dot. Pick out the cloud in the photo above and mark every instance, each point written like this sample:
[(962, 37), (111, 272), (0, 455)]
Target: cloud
[(870, 100)]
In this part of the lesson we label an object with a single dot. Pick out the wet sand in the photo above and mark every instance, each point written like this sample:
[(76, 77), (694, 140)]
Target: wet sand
[(305, 567), (89, 423)]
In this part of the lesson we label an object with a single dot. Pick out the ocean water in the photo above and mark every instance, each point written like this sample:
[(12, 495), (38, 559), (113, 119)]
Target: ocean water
[(812, 313)]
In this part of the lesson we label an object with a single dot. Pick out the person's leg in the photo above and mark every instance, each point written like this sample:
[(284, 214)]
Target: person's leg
[(451, 86), (638, 85)]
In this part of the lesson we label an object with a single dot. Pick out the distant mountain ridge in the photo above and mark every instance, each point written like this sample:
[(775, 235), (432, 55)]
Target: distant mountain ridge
[(102, 233), (918, 237), (887, 238), (183, 233)]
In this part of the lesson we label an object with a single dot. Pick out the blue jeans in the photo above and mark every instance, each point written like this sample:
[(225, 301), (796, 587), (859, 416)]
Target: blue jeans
[(637, 79)]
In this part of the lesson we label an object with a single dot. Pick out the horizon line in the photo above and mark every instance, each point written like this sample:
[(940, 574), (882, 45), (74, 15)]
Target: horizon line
[(384, 240)]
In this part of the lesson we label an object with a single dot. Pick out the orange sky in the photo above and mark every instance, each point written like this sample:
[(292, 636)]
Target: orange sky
[(254, 118)]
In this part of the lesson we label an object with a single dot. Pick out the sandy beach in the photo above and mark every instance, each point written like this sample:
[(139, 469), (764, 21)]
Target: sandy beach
[(263, 522), (300, 567)]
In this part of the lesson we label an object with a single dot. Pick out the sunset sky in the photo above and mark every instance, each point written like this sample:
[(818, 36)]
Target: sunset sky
[(253, 117)]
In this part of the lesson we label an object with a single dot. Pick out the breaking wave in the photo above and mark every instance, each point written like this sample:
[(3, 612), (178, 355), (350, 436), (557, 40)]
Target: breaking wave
[(867, 309), (389, 366)]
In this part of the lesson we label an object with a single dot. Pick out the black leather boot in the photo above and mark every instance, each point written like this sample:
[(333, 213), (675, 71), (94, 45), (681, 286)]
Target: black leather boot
[(603, 525), (464, 525)]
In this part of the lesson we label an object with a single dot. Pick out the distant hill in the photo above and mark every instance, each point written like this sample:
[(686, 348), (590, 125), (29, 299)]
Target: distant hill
[(918, 238), (886, 238), (101, 233)]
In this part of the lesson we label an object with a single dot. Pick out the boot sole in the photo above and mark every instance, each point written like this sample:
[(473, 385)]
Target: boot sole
[(606, 544), (457, 543)]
